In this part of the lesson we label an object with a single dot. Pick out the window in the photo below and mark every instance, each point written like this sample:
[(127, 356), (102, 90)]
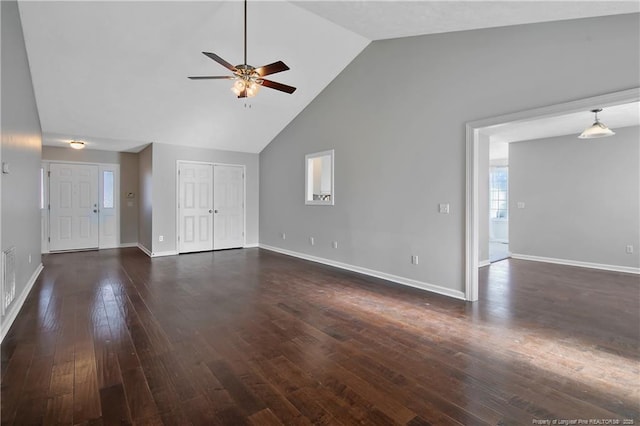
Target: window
[(107, 189), (498, 190), (319, 178)]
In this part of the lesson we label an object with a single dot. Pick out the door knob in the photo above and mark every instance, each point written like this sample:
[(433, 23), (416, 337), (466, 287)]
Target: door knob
[(210, 211), (215, 211), (95, 210)]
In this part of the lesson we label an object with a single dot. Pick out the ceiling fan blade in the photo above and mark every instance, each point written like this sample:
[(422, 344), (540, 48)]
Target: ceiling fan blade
[(278, 86), (218, 77), (272, 68), (219, 60)]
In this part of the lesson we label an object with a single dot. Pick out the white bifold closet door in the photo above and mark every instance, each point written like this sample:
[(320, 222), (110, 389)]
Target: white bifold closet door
[(195, 207)]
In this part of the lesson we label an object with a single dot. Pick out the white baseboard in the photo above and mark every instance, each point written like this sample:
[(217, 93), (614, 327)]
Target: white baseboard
[(144, 249), (125, 245), (156, 254), (251, 245), (15, 307), (484, 263), (604, 267), (389, 277), (164, 253)]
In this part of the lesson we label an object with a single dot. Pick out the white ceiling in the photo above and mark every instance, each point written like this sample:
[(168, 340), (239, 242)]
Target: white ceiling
[(615, 117), (114, 74), (117, 71), (386, 19)]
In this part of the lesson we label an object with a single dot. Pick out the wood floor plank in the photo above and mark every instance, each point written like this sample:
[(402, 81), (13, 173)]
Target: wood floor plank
[(243, 397), (253, 337), (13, 381), (199, 412), (265, 418), (139, 398), (59, 410), (115, 410)]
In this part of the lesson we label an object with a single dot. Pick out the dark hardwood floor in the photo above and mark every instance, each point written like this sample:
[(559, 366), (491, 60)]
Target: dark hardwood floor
[(253, 337)]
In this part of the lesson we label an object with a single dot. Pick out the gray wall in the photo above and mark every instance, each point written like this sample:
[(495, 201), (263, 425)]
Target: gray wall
[(129, 176), (21, 148), (581, 198), (145, 197), (164, 189), (54, 153), (128, 181), (400, 139)]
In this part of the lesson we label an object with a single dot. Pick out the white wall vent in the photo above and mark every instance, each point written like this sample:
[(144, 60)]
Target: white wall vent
[(8, 284)]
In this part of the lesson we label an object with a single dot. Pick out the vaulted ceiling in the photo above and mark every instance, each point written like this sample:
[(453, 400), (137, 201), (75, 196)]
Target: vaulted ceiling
[(114, 74)]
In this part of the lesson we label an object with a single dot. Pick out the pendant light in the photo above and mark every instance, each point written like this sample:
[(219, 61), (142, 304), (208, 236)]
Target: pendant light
[(597, 130)]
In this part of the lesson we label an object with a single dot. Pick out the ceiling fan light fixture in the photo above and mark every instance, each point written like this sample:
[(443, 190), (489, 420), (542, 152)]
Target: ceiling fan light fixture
[(238, 87), (248, 79), (76, 144), (597, 129), (252, 89), (245, 88)]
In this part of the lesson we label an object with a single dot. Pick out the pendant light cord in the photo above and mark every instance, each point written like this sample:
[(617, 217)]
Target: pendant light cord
[(245, 32)]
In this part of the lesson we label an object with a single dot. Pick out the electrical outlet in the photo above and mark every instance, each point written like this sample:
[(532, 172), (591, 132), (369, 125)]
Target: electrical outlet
[(29, 258), (414, 260), (443, 208), (334, 244), (629, 249), (312, 241), (520, 204), (284, 236), (161, 238)]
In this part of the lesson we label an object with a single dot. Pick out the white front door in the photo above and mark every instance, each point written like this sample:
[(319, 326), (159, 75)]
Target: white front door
[(73, 197), (109, 204), (228, 202), (195, 207)]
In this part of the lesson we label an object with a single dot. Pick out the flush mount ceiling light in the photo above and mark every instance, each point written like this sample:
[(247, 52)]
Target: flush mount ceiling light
[(248, 79), (597, 130), (76, 144)]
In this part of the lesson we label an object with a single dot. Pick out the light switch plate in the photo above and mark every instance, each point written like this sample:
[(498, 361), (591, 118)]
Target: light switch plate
[(443, 208)]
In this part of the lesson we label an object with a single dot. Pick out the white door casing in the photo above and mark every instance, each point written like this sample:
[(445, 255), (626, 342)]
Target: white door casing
[(195, 207), (73, 198), (228, 201), (44, 207)]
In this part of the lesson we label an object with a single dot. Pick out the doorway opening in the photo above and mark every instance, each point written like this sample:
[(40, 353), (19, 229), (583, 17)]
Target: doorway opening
[(475, 163)]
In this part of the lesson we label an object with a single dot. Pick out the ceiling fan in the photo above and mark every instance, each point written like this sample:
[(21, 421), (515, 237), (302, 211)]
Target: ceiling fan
[(248, 79)]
